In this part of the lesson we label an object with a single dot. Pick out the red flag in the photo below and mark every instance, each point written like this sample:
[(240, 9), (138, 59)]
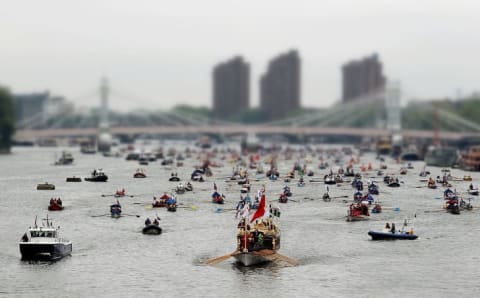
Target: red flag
[(261, 209)]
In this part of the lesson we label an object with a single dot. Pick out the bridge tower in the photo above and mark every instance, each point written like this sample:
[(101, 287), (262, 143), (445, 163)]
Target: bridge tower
[(393, 110), (104, 140)]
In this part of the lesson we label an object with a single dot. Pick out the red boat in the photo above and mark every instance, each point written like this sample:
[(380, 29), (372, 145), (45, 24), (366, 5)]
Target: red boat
[(358, 212), (218, 199), (161, 202), (55, 205), (119, 193), (283, 198)]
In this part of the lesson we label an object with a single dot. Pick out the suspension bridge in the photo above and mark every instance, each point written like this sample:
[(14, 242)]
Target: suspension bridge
[(376, 115)]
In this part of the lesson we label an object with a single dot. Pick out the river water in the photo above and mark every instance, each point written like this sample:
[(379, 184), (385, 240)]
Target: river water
[(111, 257)]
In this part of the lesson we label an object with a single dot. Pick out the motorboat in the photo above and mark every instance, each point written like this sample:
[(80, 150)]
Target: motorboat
[(97, 176), (44, 242)]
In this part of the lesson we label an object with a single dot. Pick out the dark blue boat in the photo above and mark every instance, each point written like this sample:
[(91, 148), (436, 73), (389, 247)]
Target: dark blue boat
[(392, 236), (116, 210)]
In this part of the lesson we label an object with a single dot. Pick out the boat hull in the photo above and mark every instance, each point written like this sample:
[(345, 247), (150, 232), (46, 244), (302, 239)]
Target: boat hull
[(250, 259), (74, 179), (391, 236), (152, 230), (97, 179), (45, 187), (357, 218), (39, 251)]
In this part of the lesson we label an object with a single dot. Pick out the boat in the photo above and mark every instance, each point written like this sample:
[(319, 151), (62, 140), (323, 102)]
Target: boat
[(217, 198), (329, 179), (161, 202), (376, 235), (44, 242), (283, 198), (358, 212), (55, 205), (357, 184), (452, 206), (116, 210), (467, 178), (466, 206), (152, 229), (373, 189), (143, 160), (403, 171), (377, 208), (65, 159), (180, 189), (45, 186), (174, 177), (171, 203), (189, 187), (132, 156), (384, 146), (473, 191), (326, 197), (74, 179), (391, 181), (390, 233), (88, 149), (120, 193), (97, 176), (258, 243), (139, 174), (441, 157)]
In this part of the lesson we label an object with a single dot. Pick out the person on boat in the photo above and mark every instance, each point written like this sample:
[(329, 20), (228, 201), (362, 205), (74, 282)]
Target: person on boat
[(156, 222), (393, 228), (431, 181), (387, 227), (52, 201), (94, 172), (59, 202), (471, 186), (147, 221)]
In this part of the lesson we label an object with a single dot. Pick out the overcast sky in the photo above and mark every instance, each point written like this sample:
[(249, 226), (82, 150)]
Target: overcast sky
[(160, 53)]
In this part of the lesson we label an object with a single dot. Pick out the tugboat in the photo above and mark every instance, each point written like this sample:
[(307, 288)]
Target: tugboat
[(97, 176), (43, 242), (116, 210), (65, 159)]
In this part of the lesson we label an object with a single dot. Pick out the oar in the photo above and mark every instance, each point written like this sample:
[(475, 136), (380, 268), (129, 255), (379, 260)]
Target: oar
[(225, 209), (107, 195), (338, 197), (132, 215), (100, 215), (284, 258), (432, 211), (220, 259), (193, 207)]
